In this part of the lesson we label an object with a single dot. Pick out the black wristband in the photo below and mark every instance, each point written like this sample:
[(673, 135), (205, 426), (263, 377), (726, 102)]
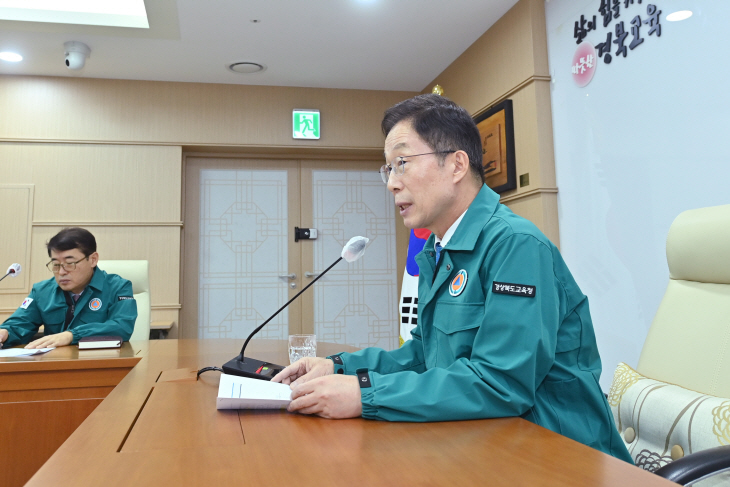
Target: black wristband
[(339, 364)]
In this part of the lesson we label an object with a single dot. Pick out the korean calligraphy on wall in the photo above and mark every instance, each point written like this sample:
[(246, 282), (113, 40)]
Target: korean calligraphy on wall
[(628, 22)]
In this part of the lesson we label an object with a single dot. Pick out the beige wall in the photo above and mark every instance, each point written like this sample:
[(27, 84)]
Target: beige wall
[(187, 114), (510, 62), (127, 196), (108, 155)]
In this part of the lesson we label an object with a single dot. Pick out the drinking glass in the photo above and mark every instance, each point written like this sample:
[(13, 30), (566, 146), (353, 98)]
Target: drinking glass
[(302, 346)]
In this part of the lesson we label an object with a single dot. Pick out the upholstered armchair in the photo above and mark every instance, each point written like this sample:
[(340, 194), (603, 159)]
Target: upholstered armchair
[(677, 401)]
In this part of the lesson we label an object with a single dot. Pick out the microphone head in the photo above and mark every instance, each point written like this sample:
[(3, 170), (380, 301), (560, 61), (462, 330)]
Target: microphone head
[(355, 248), (14, 270)]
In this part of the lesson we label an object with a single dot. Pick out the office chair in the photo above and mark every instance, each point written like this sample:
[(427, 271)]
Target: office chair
[(677, 401), (136, 271)]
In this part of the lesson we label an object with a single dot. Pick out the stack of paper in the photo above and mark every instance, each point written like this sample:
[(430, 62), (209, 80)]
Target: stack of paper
[(243, 393), (23, 352)]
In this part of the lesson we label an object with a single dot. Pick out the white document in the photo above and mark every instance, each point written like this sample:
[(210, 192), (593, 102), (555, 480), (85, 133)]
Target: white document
[(23, 352), (236, 392)]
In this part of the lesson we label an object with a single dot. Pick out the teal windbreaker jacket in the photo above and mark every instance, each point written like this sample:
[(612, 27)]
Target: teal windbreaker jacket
[(106, 308), (503, 330)]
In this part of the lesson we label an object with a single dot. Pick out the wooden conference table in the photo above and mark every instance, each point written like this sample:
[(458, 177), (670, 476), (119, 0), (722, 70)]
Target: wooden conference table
[(160, 427)]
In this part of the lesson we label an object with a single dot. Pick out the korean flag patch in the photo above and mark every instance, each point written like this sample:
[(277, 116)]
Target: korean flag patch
[(26, 303)]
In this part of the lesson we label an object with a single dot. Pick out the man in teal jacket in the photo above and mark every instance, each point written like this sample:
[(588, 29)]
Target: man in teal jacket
[(503, 329), (80, 300)]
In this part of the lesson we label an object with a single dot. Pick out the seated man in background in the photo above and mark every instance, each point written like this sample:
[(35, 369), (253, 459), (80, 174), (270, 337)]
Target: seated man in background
[(503, 328), (80, 300)]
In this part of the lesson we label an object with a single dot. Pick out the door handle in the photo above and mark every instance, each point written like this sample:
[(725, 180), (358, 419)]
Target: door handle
[(311, 274), (291, 277)]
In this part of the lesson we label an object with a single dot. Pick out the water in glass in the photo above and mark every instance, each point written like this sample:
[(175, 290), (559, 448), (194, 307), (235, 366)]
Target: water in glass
[(302, 346)]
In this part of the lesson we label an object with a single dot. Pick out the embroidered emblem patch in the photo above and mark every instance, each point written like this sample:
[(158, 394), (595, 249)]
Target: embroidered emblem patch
[(523, 290), (458, 283), (95, 304), (26, 303)]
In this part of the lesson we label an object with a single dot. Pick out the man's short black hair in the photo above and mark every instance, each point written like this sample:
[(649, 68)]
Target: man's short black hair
[(442, 124), (72, 238)]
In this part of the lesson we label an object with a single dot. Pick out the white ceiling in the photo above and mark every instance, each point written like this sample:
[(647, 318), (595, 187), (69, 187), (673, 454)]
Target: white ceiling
[(353, 44)]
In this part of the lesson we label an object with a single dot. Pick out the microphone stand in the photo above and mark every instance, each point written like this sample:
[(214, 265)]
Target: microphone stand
[(12, 271), (257, 369)]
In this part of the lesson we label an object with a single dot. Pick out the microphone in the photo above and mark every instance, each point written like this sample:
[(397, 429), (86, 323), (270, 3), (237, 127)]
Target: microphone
[(13, 271), (257, 369)]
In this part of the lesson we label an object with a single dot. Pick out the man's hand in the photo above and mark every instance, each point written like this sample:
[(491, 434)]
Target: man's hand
[(3, 335), (305, 369), (57, 340), (332, 397)]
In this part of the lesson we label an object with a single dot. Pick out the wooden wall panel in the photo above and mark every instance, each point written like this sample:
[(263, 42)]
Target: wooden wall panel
[(541, 208), (97, 183), (125, 138), (544, 122), (80, 109), (510, 62), (16, 202), (128, 196), (533, 155), (512, 51)]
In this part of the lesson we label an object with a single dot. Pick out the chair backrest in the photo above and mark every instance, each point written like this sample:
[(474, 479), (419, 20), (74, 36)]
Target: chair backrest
[(136, 271), (689, 340)]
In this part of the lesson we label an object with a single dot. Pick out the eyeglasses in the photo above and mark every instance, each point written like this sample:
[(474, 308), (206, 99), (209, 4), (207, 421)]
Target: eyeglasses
[(55, 267), (398, 166)]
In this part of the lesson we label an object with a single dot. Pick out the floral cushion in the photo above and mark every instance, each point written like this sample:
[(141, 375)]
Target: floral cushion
[(661, 422)]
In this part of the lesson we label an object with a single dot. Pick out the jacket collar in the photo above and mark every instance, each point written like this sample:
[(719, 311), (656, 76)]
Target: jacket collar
[(465, 238), (97, 280)]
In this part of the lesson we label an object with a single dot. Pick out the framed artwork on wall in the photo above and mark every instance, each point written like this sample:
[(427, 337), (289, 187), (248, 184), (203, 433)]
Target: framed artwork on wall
[(496, 127)]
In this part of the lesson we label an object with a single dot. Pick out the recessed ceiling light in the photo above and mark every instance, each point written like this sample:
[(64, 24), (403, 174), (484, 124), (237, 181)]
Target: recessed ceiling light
[(680, 15), (11, 57), (246, 67)]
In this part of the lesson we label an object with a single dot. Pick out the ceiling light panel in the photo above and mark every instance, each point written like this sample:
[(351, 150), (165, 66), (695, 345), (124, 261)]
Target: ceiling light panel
[(113, 13), (11, 57)]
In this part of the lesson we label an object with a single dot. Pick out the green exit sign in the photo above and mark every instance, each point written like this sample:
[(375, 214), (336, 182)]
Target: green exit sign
[(305, 124)]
